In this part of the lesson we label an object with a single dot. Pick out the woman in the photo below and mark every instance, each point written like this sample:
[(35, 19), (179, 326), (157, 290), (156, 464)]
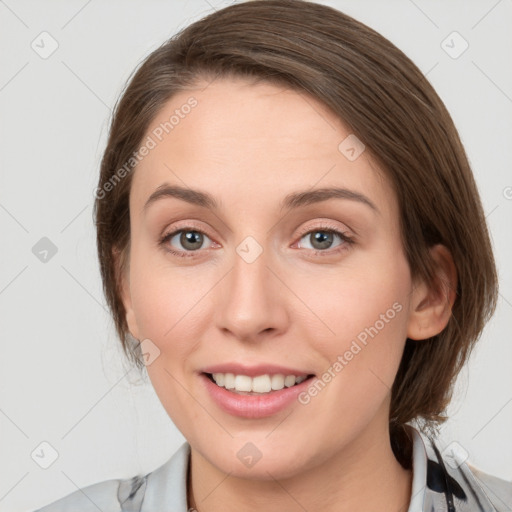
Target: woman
[(292, 244)]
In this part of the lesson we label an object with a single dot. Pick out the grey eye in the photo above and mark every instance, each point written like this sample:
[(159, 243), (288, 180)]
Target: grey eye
[(190, 240), (320, 238)]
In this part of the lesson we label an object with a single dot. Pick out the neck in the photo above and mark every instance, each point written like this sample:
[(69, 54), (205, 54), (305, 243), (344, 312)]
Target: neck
[(358, 478)]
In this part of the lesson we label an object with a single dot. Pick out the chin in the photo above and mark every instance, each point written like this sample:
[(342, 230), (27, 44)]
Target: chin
[(253, 457)]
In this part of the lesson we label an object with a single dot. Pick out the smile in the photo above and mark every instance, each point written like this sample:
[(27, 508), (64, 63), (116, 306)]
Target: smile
[(260, 384), (253, 397)]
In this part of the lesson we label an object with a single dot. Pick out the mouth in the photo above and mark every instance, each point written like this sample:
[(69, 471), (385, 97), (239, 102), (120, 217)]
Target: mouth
[(254, 391)]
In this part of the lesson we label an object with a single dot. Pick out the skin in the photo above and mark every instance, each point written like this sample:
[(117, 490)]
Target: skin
[(249, 145)]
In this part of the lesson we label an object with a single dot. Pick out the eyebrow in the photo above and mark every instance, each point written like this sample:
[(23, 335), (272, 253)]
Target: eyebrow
[(291, 201), (298, 199), (185, 194)]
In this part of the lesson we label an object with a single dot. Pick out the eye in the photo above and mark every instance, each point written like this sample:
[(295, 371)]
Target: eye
[(190, 239), (322, 238)]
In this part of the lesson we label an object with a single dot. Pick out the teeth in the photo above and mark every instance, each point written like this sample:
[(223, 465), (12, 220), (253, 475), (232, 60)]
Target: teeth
[(277, 381), (229, 380), (289, 380), (243, 383), (221, 378), (260, 384)]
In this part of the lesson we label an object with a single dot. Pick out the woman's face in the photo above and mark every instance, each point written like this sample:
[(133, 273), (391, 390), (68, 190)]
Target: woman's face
[(274, 274)]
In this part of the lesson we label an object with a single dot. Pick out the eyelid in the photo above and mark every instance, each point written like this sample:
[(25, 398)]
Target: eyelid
[(187, 225), (324, 224), (327, 225)]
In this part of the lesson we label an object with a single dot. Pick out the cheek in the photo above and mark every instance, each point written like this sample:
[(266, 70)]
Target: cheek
[(155, 298), (166, 316), (170, 306), (361, 315), (355, 295), (169, 312), (366, 313)]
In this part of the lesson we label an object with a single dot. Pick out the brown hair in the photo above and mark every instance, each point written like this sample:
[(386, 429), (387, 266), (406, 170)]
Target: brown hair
[(387, 103)]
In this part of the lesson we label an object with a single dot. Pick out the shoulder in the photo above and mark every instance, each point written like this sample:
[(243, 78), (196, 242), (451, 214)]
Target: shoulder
[(452, 478), (117, 495), (498, 490), (445, 480), (109, 495)]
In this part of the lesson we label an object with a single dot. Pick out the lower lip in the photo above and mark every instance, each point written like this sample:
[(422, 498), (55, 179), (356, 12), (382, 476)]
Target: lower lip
[(253, 406)]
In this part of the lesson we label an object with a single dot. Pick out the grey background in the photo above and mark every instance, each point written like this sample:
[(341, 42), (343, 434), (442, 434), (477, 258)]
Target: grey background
[(62, 377)]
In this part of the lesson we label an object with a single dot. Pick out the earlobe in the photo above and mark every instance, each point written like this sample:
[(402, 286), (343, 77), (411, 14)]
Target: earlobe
[(431, 306)]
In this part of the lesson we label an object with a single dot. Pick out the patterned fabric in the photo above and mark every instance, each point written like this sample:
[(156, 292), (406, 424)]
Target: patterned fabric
[(440, 484)]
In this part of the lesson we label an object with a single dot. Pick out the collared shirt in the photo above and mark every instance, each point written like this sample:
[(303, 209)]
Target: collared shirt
[(441, 483)]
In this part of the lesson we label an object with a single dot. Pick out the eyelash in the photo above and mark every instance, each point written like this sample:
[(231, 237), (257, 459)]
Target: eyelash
[(348, 241)]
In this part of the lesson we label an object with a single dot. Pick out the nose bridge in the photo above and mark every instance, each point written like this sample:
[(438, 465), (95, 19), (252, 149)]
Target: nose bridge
[(251, 302)]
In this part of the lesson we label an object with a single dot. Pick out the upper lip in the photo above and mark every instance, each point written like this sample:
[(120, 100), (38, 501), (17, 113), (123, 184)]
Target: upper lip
[(253, 370)]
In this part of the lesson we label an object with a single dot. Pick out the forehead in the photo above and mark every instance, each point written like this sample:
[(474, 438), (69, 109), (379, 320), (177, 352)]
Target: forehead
[(257, 141)]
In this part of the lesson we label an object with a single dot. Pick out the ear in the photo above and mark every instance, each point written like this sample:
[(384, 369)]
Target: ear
[(122, 272), (431, 306)]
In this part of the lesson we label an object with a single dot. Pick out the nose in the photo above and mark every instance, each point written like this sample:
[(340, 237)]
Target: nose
[(251, 300)]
